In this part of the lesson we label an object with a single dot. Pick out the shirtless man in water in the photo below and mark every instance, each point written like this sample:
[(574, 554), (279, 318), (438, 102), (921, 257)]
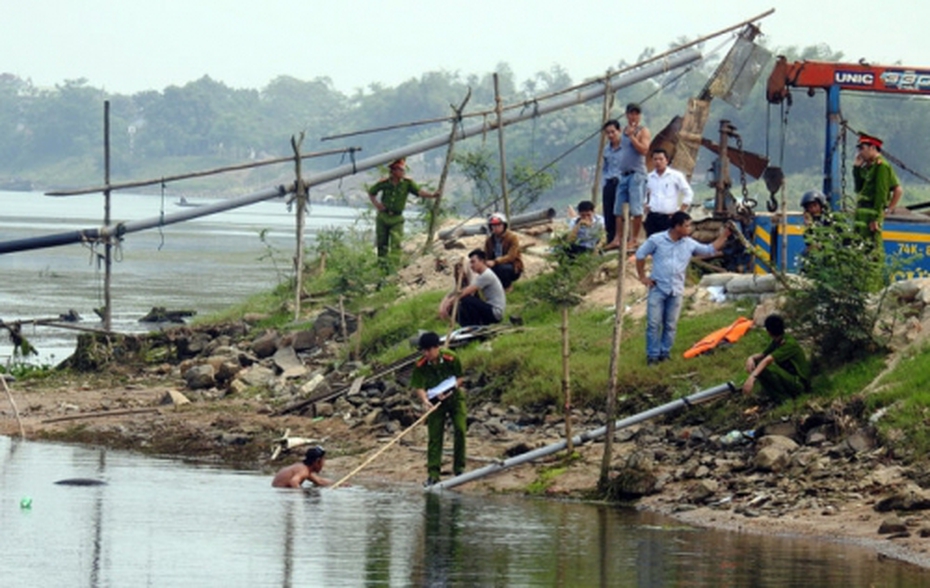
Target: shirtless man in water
[(294, 475)]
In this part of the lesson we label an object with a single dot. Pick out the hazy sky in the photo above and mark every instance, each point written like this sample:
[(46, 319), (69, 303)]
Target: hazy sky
[(126, 46)]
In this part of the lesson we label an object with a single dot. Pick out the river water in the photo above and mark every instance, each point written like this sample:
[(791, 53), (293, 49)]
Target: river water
[(160, 522), (204, 264)]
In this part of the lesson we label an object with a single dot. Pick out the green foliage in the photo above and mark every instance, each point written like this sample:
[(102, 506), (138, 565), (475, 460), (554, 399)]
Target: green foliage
[(274, 304), (522, 364), (833, 307), (351, 266), (568, 277), (272, 254), (903, 395), (399, 321), (27, 371), (547, 476), (525, 183)]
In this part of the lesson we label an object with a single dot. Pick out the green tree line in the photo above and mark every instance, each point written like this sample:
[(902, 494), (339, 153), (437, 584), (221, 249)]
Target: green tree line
[(207, 122)]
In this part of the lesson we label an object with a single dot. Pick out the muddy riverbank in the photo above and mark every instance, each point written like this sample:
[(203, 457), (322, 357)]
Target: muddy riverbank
[(820, 475)]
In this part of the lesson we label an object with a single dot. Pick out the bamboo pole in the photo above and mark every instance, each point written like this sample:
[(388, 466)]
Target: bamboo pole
[(108, 242), (566, 380), (301, 195), (199, 174), (500, 146), (431, 231), (390, 444), (615, 355), (358, 337), (602, 143), (342, 319), (455, 303), (9, 394), (569, 90)]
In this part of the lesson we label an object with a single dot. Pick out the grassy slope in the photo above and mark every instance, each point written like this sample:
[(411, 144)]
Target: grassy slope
[(524, 367)]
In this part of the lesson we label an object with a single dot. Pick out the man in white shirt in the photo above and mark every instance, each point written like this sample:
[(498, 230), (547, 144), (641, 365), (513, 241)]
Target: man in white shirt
[(667, 192)]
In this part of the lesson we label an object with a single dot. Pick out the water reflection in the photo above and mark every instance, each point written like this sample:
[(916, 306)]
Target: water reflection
[(162, 523)]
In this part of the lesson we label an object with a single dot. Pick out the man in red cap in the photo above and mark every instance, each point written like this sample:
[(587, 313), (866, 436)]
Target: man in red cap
[(878, 191), (389, 223)]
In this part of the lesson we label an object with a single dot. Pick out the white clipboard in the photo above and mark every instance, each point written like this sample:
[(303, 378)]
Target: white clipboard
[(441, 387)]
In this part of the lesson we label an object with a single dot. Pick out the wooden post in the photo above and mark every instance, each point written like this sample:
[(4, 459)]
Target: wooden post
[(615, 356), (431, 231), (342, 319), (602, 143), (22, 431), (500, 146), (301, 196), (566, 380), (108, 245), (358, 337), (455, 303)]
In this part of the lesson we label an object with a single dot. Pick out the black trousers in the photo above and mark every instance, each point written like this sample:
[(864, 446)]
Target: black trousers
[(475, 311), (656, 222), (505, 273), (609, 198)]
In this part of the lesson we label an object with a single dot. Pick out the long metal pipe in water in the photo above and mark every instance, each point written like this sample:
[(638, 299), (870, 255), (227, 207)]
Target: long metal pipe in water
[(91, 235), (559, 103), (694, 399)]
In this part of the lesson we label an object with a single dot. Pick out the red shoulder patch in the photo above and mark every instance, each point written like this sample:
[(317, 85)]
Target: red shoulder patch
[(421, 362), (448, 356)]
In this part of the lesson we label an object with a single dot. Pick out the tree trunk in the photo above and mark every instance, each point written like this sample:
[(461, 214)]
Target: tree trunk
[(566, 380)]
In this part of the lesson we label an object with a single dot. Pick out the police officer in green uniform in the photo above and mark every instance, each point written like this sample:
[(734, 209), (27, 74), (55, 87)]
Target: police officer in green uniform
[(389, 223), (877, 190), (782, 369), (434, 367)]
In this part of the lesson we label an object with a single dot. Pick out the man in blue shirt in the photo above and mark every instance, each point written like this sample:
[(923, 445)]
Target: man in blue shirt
[(671, 252), (610, 176)]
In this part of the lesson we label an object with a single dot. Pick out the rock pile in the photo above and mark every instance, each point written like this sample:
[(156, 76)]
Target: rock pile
[(819, 465)]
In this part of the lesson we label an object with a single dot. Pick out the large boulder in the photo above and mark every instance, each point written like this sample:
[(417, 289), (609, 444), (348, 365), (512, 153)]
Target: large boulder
[(265, 345), (290, 365), (910, 498), (258, 376), (774, 453), (636, 478), (200, 376)]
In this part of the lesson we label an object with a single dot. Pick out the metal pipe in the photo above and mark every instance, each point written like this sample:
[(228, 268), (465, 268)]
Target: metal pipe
[(89, 235), (694, 399), (633, 77), (526, 219)]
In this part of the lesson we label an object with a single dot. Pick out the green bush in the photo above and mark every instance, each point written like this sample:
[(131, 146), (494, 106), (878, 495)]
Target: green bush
[(834, 307)]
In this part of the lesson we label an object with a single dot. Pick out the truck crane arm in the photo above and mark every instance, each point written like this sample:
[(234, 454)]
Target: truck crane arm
[(863, 77)]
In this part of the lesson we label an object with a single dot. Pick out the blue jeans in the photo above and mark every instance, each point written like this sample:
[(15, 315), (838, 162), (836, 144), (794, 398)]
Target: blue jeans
[(662, 312), (631, 190)]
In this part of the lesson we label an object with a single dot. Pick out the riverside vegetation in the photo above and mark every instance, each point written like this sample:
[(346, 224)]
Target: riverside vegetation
[(833, 462)]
